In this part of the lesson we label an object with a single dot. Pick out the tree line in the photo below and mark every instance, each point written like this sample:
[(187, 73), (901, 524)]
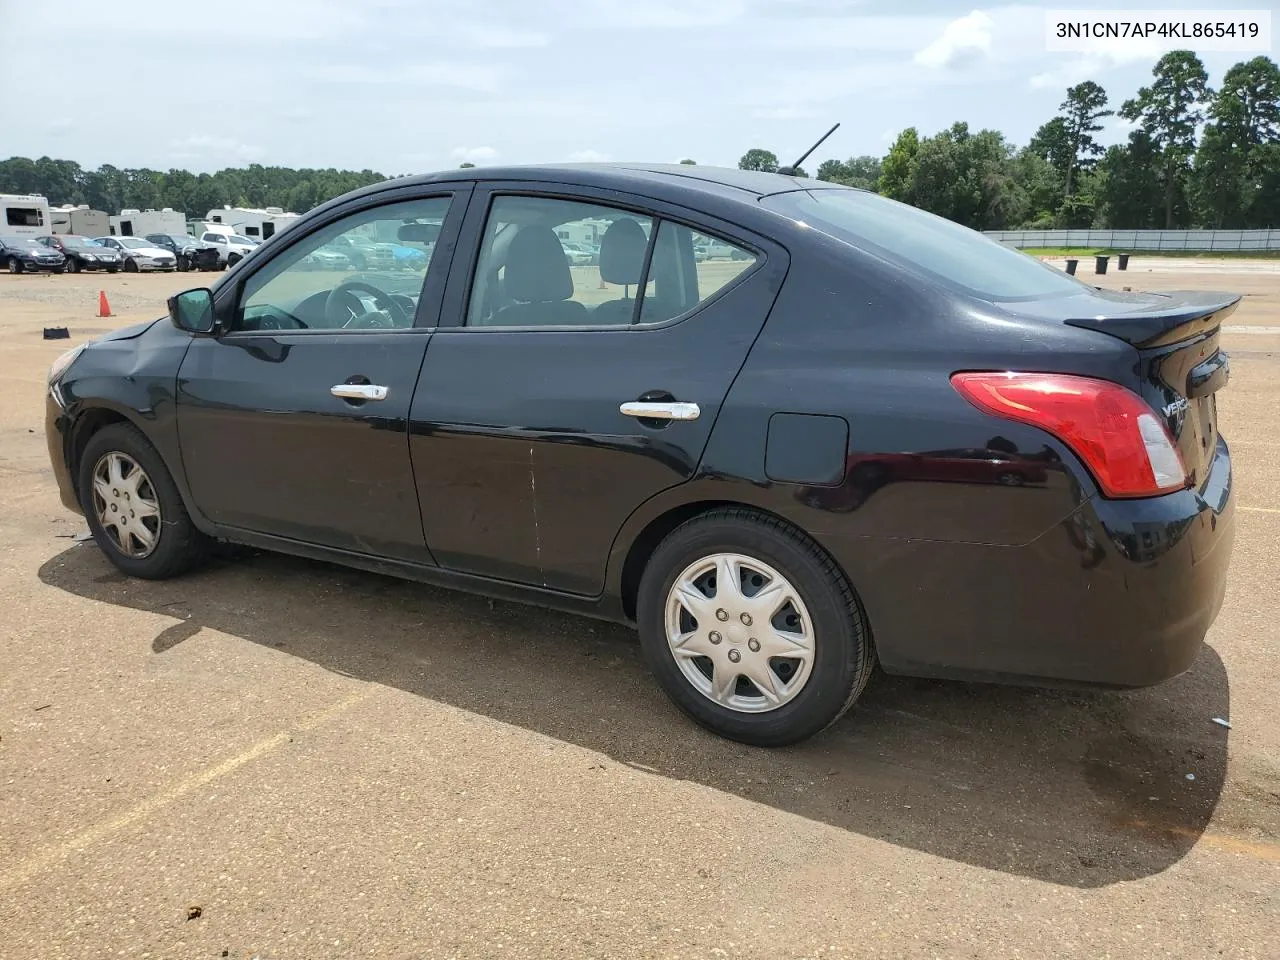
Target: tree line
[(1195, 157), (113, 189)]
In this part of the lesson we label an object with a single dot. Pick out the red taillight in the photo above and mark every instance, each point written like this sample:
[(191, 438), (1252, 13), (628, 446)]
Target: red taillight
[(1111, 429)]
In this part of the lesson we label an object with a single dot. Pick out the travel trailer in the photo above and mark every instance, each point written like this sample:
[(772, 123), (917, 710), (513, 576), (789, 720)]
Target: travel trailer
[(257, 223), (23, 215), (138, 223), (79, 220)]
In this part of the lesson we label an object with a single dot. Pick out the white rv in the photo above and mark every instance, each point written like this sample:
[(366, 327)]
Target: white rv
[(79, 220), (257, 223), (138, 223), (23, 215)]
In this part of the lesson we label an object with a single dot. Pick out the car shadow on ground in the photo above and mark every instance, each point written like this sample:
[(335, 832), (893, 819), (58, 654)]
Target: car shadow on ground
[(1082, 789)]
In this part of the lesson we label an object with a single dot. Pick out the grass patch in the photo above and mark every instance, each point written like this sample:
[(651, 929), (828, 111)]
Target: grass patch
[(1099, 252)]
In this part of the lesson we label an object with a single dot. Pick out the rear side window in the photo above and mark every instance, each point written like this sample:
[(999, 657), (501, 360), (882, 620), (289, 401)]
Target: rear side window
[(551, 262), (956, 255)]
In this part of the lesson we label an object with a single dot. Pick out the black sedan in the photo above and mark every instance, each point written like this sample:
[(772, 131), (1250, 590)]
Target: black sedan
[(192, 254), (82, 253), (867, 435), (26, 254)]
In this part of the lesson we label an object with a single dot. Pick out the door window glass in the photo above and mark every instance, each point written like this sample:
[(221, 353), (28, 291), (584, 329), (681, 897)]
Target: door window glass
[(547, 262), (363, 272), (688, 267)]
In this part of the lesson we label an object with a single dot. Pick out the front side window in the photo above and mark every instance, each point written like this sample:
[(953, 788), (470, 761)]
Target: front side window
[(362, 272), (551, 263)]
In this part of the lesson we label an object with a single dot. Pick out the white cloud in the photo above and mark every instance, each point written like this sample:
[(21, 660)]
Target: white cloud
[(1089, 66), (474, 154), (589, 156), (214, 151), (784, 113), (963, 42)]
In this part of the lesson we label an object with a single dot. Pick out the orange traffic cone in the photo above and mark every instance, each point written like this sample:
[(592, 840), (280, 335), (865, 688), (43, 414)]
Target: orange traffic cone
[(104, 308)]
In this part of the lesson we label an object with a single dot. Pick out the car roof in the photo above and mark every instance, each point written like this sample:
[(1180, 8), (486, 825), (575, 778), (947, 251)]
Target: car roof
[(683, 178)]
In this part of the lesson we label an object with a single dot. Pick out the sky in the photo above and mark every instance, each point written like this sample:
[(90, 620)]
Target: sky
[(407, 86)]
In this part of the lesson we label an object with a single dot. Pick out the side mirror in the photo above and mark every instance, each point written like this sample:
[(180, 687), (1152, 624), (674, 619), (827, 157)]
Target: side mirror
[(192, 310)]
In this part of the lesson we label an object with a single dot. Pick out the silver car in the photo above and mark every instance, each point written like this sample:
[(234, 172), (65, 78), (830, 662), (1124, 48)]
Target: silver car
[(140, 254)]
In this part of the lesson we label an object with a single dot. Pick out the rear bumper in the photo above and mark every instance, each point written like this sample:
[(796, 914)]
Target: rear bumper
[(1119, 594)]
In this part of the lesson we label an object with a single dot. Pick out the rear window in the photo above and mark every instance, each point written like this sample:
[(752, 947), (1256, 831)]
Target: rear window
[(953, 254)]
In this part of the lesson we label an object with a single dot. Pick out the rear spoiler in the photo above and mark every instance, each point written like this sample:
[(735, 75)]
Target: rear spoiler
[(1186, 314)]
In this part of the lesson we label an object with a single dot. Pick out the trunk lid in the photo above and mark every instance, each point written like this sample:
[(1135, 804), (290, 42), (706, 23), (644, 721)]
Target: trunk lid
[(1180, 364)]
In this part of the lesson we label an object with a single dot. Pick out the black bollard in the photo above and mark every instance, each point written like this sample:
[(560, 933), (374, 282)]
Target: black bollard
[(1071, 266), (1124, 262), (1100, 264)]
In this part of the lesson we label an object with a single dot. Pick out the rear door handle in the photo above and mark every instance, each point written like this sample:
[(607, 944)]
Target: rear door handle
[(657, 410), (359, 391)]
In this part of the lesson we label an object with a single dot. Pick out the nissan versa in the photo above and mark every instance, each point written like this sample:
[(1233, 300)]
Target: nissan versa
[(864, 434)]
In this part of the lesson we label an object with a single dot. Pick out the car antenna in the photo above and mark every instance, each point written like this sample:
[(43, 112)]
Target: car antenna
[(791, 170)]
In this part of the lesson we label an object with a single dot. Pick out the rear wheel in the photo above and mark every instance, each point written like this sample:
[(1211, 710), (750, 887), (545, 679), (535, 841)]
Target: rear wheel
[(113, 269), (233, 259), (14, 264), (133, 507), (751, 629)]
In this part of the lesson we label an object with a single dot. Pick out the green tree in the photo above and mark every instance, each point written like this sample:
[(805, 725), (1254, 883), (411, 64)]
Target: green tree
[(1052, 143), (757, 159), (466, 165), (861, 171), (691, 163), (1230, 162), (1084, 107), (895, 172), (1129, 196), (1169, 112)]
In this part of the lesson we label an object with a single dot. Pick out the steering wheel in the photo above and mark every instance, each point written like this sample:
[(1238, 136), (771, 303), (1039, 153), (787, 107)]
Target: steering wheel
[(342, 308)]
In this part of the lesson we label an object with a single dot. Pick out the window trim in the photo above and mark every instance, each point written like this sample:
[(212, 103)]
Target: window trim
[(227, 297), (657, 211)]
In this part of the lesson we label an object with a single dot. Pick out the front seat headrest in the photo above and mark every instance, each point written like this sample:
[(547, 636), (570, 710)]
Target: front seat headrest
[(622, 253), (537, 269)]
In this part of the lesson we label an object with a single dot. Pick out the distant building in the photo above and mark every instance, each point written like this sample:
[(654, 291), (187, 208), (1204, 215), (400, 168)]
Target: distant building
[(79, 219)]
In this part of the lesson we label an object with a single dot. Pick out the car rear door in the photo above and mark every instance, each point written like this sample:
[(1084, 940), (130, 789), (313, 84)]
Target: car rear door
[(293, 420), (527, 464)]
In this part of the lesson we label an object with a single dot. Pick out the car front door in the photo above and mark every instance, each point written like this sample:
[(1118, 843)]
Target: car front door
[(293, 419), (527, 464)]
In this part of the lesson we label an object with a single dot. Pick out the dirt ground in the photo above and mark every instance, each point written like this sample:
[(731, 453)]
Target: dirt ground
[(275, 758)]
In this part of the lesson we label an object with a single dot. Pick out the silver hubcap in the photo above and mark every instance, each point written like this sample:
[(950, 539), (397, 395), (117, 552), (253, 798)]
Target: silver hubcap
[(740, 633), (126, 504)]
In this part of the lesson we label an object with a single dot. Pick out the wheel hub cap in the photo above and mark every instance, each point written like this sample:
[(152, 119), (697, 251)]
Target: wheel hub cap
[(740, 633), (126, 504)]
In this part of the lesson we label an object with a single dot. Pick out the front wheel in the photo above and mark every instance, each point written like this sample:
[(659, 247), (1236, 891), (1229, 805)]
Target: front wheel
[(73, 266), (751, 629), (183, 264), (133, 507), (15, 265), (130, 267)]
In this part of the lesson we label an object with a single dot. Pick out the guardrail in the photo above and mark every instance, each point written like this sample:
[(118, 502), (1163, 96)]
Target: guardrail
[(1206, 241)]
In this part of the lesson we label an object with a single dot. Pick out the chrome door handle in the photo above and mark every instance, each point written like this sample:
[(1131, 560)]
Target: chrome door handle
[(359, 391), (654, 410)]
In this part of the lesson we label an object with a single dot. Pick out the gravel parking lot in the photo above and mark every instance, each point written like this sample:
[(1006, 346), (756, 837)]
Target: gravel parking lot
[(276, 758)]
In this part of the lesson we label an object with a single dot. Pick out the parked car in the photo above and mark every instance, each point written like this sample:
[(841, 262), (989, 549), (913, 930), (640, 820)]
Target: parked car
[(190, 253), (138, 254), (579, 255), (231, 247), (25, 254), (323, 259), (364, 254), (82, 253), (1025, 474)]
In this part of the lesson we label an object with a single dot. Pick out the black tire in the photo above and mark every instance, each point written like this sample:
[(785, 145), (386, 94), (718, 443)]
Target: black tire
[(233, 259), (844, 655), (113, 269), (130, 266), (183, 264), (73, 265), (14, 264), (180, 545), (59, 269)]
